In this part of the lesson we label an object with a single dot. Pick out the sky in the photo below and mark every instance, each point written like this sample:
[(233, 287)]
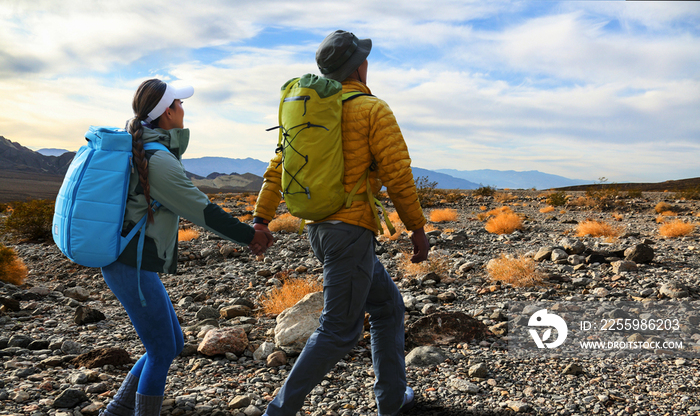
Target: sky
[(581, 89)]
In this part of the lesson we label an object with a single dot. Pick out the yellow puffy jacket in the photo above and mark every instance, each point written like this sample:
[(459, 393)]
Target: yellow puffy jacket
[(370, 133)]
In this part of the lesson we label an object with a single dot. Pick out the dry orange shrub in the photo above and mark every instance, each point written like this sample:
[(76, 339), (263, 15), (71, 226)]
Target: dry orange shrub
[(519, 272), (676, 228), (597, 229), (443, 215), (12, 268), (618, 217), (226, 209), (503, 197), (187, 234), (505, 221), (437, 264), (483, 207), (563, 211), (251, 199), (285, 222), (245, 218), (663, 207), (547, 209), (287, 295), (668, 214)]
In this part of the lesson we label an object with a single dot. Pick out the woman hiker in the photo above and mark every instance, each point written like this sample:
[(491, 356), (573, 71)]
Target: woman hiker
[(159, 176)]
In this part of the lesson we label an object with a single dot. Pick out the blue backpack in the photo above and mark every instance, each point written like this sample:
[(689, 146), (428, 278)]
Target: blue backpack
[(89, 212)]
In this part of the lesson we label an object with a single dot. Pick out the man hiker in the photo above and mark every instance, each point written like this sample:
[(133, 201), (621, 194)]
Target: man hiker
[(354, 281)]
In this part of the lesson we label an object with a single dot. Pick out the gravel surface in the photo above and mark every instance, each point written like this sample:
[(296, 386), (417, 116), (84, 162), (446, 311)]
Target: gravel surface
[(479, 377)]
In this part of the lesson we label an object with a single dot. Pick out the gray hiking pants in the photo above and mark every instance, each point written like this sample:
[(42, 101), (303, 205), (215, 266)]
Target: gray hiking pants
[(354, 281)]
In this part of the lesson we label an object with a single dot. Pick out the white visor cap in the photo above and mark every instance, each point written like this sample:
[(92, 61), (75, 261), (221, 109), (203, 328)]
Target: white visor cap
[(171, 94)]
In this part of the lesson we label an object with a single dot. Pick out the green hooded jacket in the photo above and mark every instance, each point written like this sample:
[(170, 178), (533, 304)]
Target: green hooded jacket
[(179, 198)]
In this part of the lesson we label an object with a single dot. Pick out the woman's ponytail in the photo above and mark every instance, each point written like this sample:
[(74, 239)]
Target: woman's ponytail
[(146, 98)]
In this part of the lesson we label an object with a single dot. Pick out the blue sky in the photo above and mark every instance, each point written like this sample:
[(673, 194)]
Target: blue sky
[(579, 89)]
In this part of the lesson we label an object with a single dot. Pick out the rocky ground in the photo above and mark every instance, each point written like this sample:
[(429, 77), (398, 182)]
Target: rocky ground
[(463, 371)]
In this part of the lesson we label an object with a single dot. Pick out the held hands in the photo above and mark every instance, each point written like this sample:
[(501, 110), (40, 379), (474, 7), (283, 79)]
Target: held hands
[(262, 240), (420, 246)]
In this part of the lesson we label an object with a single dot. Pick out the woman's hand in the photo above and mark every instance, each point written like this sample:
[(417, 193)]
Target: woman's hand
[(262, 240)]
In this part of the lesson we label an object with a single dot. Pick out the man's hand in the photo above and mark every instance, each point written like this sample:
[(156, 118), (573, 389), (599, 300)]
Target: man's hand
[(420, 246), (262, 240)]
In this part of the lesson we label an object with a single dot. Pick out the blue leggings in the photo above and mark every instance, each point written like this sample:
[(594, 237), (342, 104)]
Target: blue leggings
[(156, 324)]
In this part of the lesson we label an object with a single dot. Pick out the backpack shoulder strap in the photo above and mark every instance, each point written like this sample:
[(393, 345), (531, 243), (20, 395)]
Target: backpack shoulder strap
[(351, 95)]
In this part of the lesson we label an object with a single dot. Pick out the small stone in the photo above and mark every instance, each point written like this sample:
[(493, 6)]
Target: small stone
[(518, 406), (478, 370), (239, 402), (276, 359), (573, 369)]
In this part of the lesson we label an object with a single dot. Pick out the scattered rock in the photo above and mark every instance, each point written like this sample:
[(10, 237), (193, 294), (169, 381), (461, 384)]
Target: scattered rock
[(425, 356), (103, 356), (444, 328), (86, 315), (221, 341), (296, 324)]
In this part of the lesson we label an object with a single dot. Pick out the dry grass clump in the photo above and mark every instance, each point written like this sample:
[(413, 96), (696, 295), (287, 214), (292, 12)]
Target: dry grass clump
[(617, 216), (287, 295), (663, 207), (547, 209), (245, 218), (597, 229), (285, 222), (518, 272), (676, 228), (583, 202), (12, 268), (439, 265), (443, 215), (504, 197), (505, 221), (187, 234)]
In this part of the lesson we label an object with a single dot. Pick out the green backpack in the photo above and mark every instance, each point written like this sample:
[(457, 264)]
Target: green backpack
[(311, 143)]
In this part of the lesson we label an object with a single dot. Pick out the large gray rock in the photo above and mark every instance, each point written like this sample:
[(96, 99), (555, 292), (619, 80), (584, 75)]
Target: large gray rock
[(572, 245), (296, 324), (70, 398), (641, 253), (674, 290), (425, 356)]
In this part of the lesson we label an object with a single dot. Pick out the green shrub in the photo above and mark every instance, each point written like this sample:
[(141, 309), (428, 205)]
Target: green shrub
[(426, 191), (12, 268), (634, 193), (557, 199), (604, 196), (484, 191), (31, 220)]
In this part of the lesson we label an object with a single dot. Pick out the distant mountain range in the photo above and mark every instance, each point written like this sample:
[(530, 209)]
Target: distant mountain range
[(503, 179), (204, 166), (222, 174), (445, 178), (25, 173), (15, 157)]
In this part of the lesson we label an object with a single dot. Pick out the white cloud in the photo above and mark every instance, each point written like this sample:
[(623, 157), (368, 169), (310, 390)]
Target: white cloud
[(474, 85)]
